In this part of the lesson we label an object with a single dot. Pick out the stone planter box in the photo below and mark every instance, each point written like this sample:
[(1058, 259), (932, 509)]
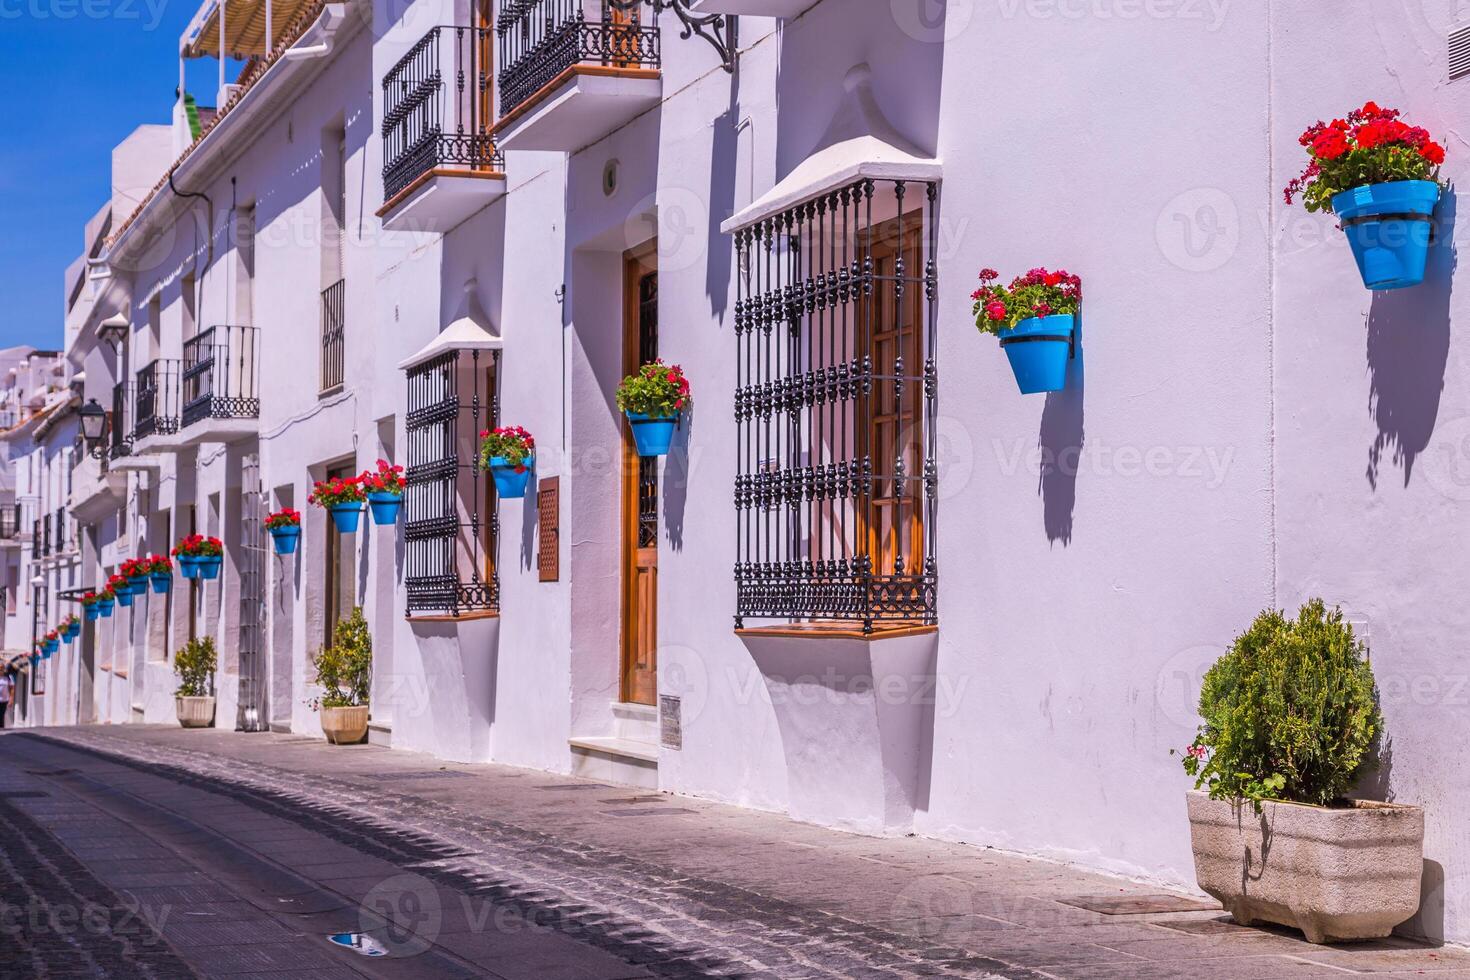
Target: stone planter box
[(1334, 873), (195, 712), (345, 726)]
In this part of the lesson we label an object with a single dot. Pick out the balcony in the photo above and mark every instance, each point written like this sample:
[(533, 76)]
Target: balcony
[(440, 162), (334, 337), (156, 406), (572, 71), (220, 386)]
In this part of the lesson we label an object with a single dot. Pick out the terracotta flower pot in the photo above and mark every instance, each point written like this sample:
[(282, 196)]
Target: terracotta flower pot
[(345, 726), (195, 712), (1335, 873)]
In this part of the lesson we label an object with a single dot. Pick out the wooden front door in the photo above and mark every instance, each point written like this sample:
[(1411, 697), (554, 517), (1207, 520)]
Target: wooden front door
[(640, 493)]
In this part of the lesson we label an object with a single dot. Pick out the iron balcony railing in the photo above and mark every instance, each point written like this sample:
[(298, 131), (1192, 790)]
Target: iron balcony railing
[(120, 424), (437, 108), (541, 40), (334, 352), (220, 375), (157, 402)]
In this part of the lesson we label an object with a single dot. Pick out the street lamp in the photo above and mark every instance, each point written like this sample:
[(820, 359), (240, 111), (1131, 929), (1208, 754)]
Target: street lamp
[(94, 423)]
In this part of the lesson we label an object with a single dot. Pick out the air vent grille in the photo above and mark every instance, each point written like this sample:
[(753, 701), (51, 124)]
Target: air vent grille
[(1460, 52)]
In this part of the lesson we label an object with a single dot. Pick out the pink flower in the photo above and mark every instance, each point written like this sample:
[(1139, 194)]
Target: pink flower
[(996, 311)]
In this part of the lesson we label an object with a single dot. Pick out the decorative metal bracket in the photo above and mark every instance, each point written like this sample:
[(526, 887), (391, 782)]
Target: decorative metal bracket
[(718, 29)]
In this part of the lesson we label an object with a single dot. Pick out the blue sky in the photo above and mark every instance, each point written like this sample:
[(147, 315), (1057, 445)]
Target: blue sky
[(78, 76)]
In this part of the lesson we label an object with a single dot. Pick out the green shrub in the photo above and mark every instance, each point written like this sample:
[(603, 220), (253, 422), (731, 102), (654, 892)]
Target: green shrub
[(345, 669), (195, 664), (1290, 712)]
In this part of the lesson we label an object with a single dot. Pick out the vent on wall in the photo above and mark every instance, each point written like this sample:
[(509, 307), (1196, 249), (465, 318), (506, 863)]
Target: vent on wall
[(1460, 52)]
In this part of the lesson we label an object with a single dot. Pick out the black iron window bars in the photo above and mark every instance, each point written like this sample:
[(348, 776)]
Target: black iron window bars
[(334, 336), (157, 399), (540, 40), (120, 423), (437, 108), (451, 529), (836, 485), (219, 375)]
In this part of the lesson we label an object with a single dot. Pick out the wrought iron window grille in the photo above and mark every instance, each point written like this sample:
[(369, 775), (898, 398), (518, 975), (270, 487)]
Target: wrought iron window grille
[(836, 409), (451, 529), (218, 376), (437, 108), (157, 404), (721, 31)]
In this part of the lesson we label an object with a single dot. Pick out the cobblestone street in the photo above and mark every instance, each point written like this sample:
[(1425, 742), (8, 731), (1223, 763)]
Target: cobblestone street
[(158, 852)]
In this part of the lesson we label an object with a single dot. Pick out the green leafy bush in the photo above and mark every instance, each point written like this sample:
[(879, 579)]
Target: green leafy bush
[(195, 664), (1290, 712), (658, 390), (345, 669)]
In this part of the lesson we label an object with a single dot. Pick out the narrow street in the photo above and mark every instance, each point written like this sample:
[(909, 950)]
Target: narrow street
[(158, 852)]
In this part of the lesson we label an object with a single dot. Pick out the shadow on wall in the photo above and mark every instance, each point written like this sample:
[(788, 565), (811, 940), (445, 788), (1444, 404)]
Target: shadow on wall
[(675, 485), (530, 518), (1408, 344), (1061, 439), (719, 256)]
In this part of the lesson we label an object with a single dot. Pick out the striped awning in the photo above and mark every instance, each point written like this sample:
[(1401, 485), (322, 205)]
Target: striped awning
[(244, 27)]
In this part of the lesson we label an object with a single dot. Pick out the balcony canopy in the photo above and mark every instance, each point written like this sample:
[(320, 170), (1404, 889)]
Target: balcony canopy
[(244, 27), (860, 144), (470, 330)]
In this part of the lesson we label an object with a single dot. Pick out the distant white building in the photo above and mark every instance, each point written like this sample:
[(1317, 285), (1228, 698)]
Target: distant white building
[(871, 586)]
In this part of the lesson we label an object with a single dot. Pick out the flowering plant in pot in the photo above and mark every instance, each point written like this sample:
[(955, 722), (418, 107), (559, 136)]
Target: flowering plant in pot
[(106, 600), (200, 556), (1035, 319), (1291, 719), (195, 664), (90, 608), (121, 588), (384, 492), (136, 571), (1380, 176), (344, 670), (285, 528), (342, 497), (509, 453), (52, 643), (160, 573), (654, 401), (71, 628)]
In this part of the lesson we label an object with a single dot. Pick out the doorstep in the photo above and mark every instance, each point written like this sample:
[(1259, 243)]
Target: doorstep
[(380, 734), (615, 759)]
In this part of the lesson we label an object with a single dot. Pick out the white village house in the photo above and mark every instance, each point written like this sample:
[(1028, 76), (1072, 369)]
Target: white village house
[(872, 585)]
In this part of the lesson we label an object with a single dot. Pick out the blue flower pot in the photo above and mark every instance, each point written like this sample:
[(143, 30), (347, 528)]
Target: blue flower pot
[(50, 647), (162, 582), (189, 566), (1389, 227), (209, 566), (285, 539), (104, 608), (346, 516), (125, 596), (91, 613), (1038, 349), (139, 583), (652, 435), (509, 484), (71, 632), (384, 507)]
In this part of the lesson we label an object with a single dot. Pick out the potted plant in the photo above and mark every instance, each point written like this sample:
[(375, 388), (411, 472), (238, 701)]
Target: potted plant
[(90, 609), (188, 564), (194, 664), (654, 401), (509, 453), (285, 528), (106, 600), (343, 498), (71, 628), (384, 492), (1035, 318), (136, 571), (1380, 176), (1290, 718), (345, 671), (121, 588), (161, 574), (51, 643)]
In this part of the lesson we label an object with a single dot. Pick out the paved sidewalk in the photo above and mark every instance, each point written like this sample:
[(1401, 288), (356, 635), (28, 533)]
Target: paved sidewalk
[(685, 888)]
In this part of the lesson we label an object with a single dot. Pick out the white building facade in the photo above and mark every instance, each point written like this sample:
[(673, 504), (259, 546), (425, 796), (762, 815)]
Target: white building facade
[(871, 586)]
